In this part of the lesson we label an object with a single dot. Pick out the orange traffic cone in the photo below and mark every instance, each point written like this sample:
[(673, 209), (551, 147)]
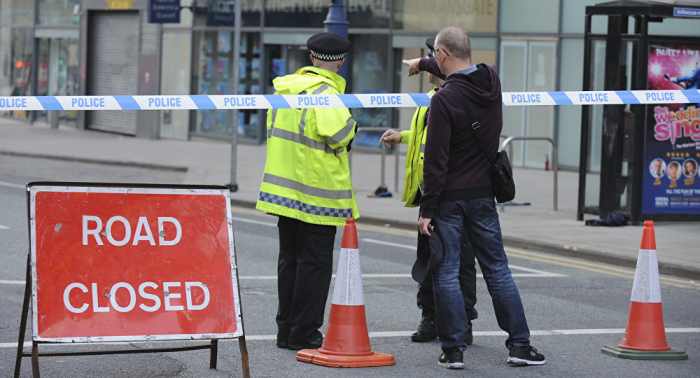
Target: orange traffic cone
[(346, 343), (645, 335)]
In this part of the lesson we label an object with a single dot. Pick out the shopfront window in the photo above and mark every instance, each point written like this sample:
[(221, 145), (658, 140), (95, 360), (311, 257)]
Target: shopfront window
[(473, 16), (214, 76), (369, 59), (57, 75), (17, 64), (59, 12), (17, 12)]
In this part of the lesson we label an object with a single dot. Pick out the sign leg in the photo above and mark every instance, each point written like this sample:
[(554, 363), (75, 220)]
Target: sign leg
[(244, 357), (213, 353), (23, 321), (35, 360)]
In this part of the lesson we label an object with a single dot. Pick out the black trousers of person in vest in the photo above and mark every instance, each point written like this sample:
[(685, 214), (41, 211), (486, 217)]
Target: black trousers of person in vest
[(467, 283), (304, 271)]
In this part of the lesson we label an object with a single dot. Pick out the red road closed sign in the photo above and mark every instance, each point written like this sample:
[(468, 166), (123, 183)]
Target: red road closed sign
[(132, 263)]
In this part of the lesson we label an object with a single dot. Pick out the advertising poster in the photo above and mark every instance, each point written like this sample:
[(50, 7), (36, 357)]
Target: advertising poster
[(221, 88), (224, 42), (222, 67), (206, 67), (672, 151)]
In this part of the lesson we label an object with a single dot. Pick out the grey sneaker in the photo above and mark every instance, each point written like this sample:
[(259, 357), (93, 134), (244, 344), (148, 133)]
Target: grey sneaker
[(452, 360), (524, 355)]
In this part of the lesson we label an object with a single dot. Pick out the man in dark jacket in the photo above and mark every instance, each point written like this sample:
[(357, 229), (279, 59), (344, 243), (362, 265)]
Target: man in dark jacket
[(459, 195)]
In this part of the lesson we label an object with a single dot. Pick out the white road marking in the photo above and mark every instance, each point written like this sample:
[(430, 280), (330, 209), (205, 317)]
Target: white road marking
[(554, 332), (6, 282), (11, 185), (4, 227)]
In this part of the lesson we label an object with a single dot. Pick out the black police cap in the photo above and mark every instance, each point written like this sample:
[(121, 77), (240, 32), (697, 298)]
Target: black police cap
[(328, 46)]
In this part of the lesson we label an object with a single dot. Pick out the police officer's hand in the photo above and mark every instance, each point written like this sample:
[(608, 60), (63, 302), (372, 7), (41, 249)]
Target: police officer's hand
[(390, 136), (412, 66)]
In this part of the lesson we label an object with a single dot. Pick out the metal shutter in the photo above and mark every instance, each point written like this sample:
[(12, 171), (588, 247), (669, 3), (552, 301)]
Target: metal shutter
[(113, 51)]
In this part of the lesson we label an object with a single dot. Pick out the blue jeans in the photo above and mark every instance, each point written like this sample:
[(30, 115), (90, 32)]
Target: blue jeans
[(479, 220)]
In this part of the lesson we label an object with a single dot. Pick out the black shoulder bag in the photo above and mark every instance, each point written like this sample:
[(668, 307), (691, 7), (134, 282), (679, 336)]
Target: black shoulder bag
[(501, 170)]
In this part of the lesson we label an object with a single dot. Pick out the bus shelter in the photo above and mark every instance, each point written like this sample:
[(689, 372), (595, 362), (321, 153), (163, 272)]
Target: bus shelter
[(640, 160)]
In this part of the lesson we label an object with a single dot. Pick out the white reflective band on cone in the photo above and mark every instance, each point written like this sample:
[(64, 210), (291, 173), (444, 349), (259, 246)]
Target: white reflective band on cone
[(646, 288), (348, 280)]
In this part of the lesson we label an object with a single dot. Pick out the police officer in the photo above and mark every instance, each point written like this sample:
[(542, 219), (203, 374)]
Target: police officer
[(307, 185), (415, 138)]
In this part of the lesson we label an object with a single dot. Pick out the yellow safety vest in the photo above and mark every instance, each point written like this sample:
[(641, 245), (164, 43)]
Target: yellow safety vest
[(307, 175), (415, 137)]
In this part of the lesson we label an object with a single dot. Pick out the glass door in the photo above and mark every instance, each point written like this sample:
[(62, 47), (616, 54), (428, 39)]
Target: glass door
[(528, 66)]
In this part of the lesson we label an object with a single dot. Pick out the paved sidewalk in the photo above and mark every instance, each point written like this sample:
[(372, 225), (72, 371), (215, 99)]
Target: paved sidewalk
[(536, 226)]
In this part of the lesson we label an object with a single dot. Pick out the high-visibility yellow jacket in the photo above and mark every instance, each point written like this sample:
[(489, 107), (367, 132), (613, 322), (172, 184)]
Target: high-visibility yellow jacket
[(307, 175), (415, 137)]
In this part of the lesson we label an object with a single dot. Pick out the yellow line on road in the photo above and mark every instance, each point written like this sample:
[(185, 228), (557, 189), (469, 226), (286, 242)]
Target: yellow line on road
[(532, 256)]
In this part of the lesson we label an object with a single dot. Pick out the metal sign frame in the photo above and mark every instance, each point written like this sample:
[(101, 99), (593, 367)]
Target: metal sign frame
[(31, 282)]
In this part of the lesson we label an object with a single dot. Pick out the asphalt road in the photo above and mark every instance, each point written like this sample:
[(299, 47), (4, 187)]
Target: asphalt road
[(574, 307)]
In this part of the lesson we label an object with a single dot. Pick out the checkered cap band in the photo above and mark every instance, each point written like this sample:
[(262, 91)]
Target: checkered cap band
[(306, 208), (328, 57)]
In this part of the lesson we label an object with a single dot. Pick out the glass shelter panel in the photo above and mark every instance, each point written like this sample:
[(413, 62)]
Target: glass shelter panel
[(569, 121)]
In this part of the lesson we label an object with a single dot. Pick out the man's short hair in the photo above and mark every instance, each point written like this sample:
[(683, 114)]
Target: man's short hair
[(456, 41)]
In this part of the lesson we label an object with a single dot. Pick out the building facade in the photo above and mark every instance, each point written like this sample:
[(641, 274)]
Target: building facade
[(108, 47)]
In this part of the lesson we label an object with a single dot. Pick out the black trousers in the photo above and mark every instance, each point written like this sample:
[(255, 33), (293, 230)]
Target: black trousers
[(304, 271), (467, 283)]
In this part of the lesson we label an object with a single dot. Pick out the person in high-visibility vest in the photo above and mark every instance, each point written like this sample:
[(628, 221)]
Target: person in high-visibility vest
[(415, 138), (307, 185)]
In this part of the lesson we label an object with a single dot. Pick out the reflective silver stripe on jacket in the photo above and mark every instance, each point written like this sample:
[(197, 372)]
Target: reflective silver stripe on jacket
[(302, 123), (274, 115), (310, 190), (422, 148), (343, 133), (301, 139)]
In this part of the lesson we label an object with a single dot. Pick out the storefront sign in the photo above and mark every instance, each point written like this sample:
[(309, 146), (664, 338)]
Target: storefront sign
[(120, 4), (672, 150), (472, 15), (117, 263), (164, 11), (686, 12), (221, 13)]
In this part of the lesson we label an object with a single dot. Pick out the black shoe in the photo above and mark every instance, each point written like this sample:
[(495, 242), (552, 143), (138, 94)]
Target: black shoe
[(427, 330), (452, 360), (309, 345), (524, 355), (467, 336), (282, 344)]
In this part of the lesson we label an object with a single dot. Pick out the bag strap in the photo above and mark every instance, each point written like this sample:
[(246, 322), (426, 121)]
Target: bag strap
[(476, 126)]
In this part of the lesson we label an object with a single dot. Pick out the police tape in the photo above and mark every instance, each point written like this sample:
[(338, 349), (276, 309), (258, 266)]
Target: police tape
[(375, 100)]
